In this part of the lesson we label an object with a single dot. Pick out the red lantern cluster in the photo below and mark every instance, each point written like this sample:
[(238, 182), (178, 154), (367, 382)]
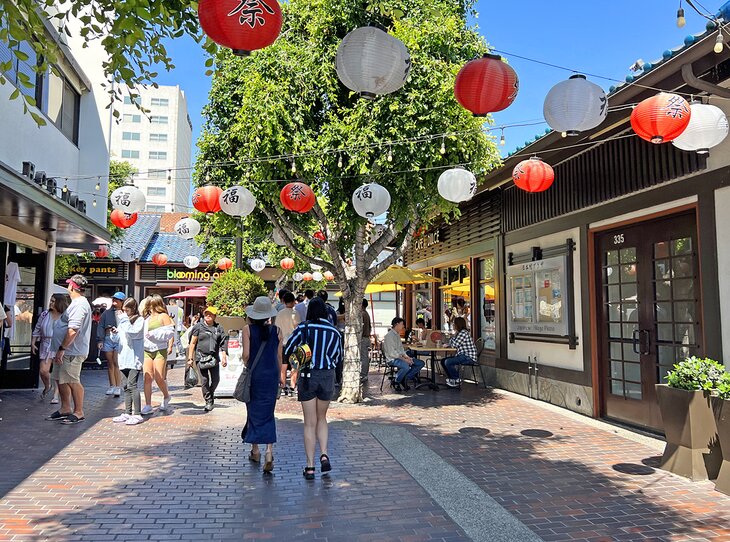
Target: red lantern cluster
[(102, 252), (661, 118), (224, 264), (297, 197), (328, 275), (485, 85), (243, 26), (159, 259), (206, 199), (307, 277), (287, 264), (121, 219), (533, 175)]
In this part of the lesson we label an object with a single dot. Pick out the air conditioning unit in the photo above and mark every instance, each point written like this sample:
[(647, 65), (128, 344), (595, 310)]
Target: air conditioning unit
[(40, 178), (81, 205), (29, 170), (51, 186), (73, 200)]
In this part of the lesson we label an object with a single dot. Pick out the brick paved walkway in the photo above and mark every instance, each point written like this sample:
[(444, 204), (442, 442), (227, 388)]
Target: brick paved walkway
[(184, 476)]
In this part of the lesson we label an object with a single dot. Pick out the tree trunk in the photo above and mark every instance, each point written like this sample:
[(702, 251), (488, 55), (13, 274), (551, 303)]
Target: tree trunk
[(351, 389)]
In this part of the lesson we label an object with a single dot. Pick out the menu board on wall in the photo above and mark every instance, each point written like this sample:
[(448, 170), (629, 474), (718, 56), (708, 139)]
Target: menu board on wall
[(536, 297)]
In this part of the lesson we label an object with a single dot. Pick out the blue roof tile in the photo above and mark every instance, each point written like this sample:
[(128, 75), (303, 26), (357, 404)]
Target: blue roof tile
[(174, 247), (138, 236)]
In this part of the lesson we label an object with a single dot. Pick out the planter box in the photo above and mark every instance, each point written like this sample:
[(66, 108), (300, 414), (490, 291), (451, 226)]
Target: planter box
[(721, 408), (692, 449), (231, 322)]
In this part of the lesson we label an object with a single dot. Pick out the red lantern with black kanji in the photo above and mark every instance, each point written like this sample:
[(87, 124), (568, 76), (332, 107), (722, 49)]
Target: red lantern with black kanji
[(241, 25), (318, 239), (533, 175), (224, 264), (121, 219), (661, 118), (206, 199), (297, 197), (159, 259), (329, 276), (307, 277), (287, 264), (102, 252), (485, 85)]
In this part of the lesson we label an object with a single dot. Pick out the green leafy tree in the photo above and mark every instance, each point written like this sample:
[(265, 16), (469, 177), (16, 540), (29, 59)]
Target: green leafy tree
[(233, 290), (119, 174), (287, 100)]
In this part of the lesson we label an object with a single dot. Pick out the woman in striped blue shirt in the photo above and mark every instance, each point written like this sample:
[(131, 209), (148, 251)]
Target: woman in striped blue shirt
[(316, 384)]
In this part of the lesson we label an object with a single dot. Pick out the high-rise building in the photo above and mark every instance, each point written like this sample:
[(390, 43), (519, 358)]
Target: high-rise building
[(158, 144)]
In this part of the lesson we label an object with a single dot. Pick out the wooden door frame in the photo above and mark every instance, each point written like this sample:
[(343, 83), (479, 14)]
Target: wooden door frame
[(597, 372)]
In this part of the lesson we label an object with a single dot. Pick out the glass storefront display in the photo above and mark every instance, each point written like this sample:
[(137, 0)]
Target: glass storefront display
[(422, 300), (455, 295), (487, 307)]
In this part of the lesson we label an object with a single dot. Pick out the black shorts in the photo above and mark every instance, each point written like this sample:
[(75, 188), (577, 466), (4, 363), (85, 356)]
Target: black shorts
[(320, 384)]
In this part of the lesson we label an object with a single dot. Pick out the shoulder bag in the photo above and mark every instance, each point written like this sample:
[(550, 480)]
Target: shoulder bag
[(243, 386), (208, 361)]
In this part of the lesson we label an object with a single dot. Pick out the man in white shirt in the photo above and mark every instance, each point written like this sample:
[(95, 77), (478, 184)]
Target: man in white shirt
[(408, 367), (301, 308)]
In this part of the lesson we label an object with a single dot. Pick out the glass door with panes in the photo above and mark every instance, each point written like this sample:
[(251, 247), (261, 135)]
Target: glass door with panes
[(649, 312)]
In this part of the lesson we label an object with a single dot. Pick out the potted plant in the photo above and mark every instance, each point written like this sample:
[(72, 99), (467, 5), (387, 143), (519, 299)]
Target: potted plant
[(230, 293), (721, 408), (692, 448)]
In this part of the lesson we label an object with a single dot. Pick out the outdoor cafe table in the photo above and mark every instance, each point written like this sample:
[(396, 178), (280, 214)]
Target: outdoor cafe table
[(433, 350)]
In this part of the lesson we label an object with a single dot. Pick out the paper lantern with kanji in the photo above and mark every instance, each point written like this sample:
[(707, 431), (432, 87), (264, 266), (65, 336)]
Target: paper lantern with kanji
[(159, 259), (328, 275), (102, 252), (237, 201), (485, 85), (457, 185), (575, 105), (317, 276), (241, 25), (307, 277), (127, 255), (661, 118), (258, 265), (224, 264), (128, 199), (191, 262), (206, 199), (533, 175), (121, 219), (297, 197), (707, 128), (371, 200), (297, 277), (187, 228), (287, 264)]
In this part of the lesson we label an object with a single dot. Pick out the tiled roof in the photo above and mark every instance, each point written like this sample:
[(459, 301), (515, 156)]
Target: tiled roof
[(169, 220), (174, 247), (138, 236)]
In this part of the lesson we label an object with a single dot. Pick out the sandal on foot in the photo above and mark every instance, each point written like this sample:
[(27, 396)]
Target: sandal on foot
[(57, 416), (255, 457), (324, 463), (73, 419), (269, 464), (309, 473)]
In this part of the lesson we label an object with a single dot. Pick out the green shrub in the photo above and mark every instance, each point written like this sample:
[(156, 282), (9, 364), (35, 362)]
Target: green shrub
[(233, 290), (696, 374), (723, 387)]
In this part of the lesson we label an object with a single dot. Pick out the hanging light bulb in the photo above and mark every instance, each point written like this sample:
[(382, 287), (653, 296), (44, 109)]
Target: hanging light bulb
[(563, 134), (293, 166), (442, 150), (65, 188), (339, 161), (681, 21), (390, 154), (719, 43), (93, 203), (502, 140), (169, 176), (98, 184), (207, 176)]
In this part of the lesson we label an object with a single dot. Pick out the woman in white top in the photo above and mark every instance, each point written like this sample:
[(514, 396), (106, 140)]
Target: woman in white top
[(131, 356), (42, 335), (158, 330)]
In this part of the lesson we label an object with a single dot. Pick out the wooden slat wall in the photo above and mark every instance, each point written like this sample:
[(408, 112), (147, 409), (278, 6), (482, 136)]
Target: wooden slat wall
[(611, 170)]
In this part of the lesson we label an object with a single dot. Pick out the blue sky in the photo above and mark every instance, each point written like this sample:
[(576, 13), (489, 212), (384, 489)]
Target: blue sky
[(601, 38)]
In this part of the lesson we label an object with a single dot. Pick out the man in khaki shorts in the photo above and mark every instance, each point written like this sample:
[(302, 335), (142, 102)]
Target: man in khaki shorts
[(71, 338)]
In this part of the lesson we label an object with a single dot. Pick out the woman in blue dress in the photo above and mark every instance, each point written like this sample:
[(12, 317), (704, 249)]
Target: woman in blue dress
[(262, 354)]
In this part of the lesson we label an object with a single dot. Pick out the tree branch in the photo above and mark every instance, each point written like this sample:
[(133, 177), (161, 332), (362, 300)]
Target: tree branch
[(379, 245), (397, 253), (330, 244)]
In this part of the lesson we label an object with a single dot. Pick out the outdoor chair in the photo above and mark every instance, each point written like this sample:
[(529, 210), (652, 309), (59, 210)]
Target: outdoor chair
[(389, 370), (480, 347)]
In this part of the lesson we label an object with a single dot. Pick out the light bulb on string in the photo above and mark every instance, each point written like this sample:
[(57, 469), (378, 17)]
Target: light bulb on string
[(719, 43), (442, 150), (93, 203), (681, 21), (98, 184), (339, 161), (293, 166), (169, 176), (390, 154), (65, 186), (502, 140)]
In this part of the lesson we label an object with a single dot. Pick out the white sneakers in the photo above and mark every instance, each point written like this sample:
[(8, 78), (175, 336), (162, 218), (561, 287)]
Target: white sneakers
[(165, 403), (117, 391), (452, 382), (123, 417), (111, 390), (134, 420), (146, 410)]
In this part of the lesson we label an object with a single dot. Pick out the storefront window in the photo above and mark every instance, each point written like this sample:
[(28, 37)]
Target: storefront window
[(487, 308), (422, 298), (455, 296)]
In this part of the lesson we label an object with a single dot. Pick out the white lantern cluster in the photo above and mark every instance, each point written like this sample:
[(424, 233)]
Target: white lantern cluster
[(457, 185), (191, 262), (237, 201), (128, 199), (372, 62), (127, 255), (371, 200), (297, 277), (317, 276), (187, 228), (575, 105), (258, 265), (707, 128)]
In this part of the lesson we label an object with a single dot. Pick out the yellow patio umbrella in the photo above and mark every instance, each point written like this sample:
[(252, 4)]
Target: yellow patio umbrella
[(397, 275), (377, 288)]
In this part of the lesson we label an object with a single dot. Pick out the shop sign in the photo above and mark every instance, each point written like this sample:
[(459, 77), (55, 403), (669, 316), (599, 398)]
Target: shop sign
[(96, 270), (426, 241), (190, 276), (233, 369)]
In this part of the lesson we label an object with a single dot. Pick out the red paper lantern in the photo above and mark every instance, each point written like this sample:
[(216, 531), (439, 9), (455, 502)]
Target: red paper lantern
[(287, 264), (329, 276), (661, 118), (206, 199), (102, 252), (241, 25), (159, 259), (485, 85), (307, 277), (533, 175), (121, 219), (297, 197), (224, 264)]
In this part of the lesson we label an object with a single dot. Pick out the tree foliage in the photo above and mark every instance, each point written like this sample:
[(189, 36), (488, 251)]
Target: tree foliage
[(233, 290)]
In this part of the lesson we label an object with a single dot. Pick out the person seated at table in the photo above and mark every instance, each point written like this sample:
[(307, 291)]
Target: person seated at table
[(408, 367), (466, 353)]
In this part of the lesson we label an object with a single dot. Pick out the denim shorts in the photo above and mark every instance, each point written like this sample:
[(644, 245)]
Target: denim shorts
[(111, 344), (320, 384)]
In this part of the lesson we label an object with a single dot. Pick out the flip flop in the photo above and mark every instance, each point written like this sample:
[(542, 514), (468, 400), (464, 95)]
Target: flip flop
[(57, 416), (72, 419)]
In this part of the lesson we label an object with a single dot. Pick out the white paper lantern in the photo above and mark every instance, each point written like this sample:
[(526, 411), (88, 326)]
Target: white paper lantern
[(187, 228), (128, 199), (372, 62), (457, 185), (297, 277), (258, 265), (237, 201), (127, 255), (575, 105), (317, 276), (191, 262), (278, 239), (371, 200), (707, 128)]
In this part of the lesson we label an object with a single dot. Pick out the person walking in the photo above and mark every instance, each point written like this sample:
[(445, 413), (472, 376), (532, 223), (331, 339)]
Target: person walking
[(301, 306), (287, 319), (108, 343), (42, 337), (159, 329), (209, 348), (262, 354), (365, 342), (131, 360), (71, 340), (466, 353), (317, 380)]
